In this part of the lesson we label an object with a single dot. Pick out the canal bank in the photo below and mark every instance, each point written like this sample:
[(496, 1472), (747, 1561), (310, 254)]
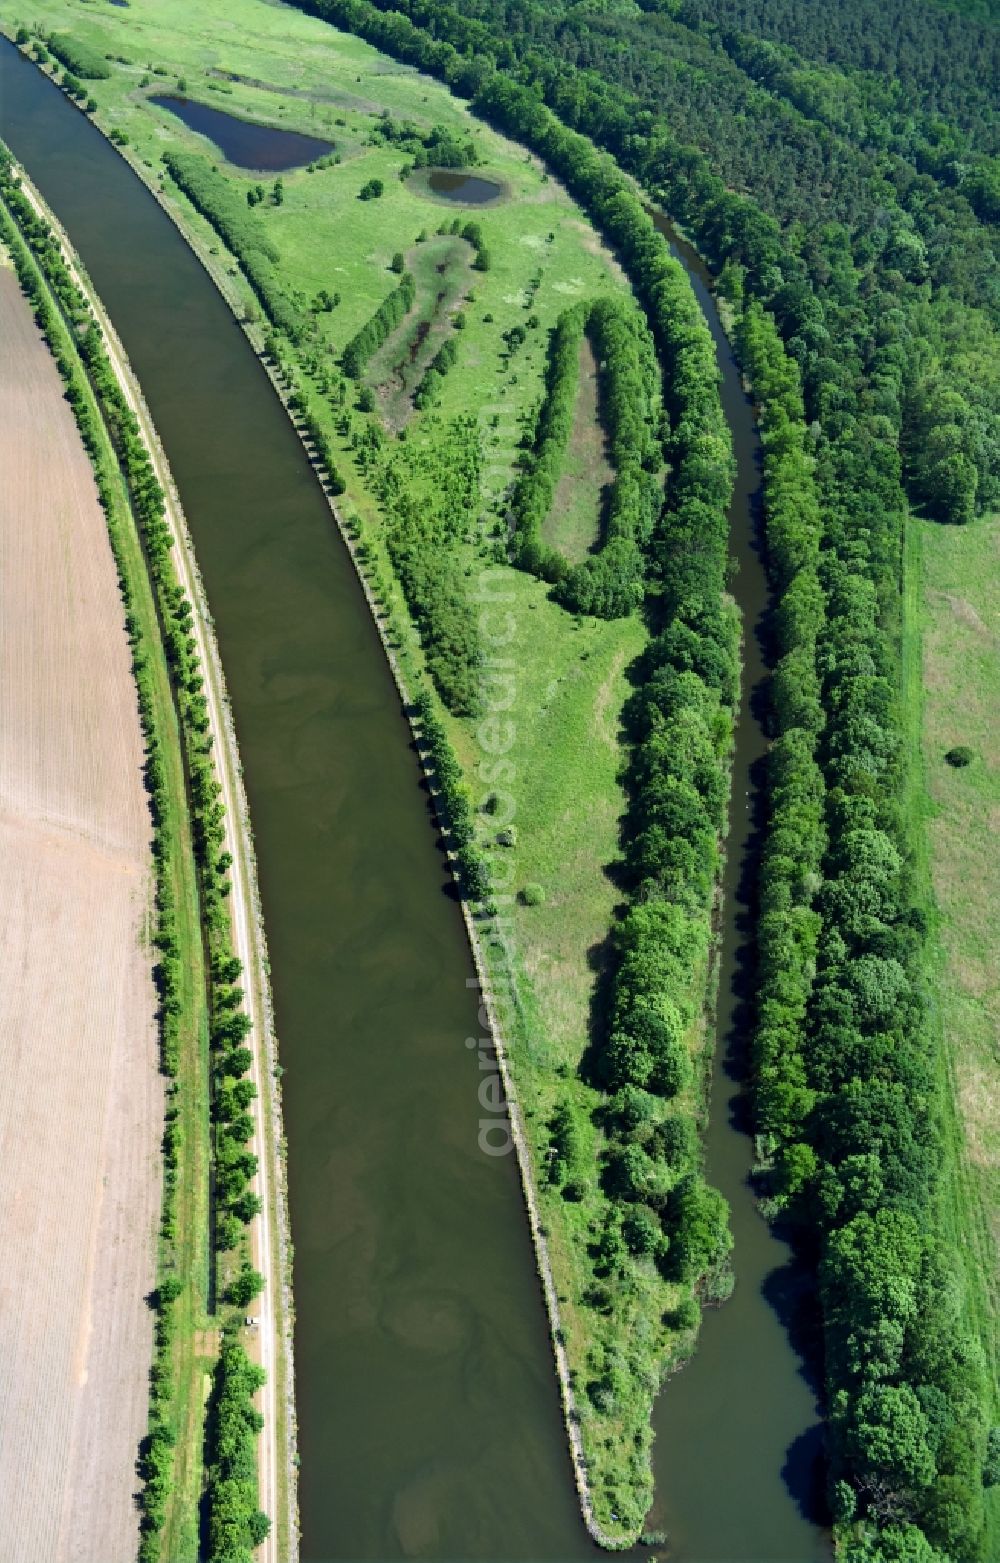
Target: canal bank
[(271, 1345)]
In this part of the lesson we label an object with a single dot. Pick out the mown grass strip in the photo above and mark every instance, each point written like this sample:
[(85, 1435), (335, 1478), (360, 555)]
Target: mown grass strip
[(854, 1088)]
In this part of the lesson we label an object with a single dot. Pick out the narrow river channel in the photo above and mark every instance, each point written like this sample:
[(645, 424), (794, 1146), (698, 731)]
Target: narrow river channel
[(737, 1457), (428, 1416)]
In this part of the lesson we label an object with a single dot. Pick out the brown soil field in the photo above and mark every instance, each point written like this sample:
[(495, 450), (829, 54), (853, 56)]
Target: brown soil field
[(81, 1101)]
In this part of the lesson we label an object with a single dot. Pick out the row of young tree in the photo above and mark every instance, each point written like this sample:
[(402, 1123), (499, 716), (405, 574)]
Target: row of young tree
[(430, 381), (229, 1024), (453, 800), (212, 194), (535, 491), (849, 1084), (38, 255), (319, 440), (611, 582), (379, 327)]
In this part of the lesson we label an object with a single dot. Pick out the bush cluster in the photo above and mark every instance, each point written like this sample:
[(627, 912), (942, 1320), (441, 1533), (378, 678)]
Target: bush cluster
[(218, 202), (390, 313), (78, 57), (438, 147), (452, 800), (236, 1525), (610, 583), (472, 233)]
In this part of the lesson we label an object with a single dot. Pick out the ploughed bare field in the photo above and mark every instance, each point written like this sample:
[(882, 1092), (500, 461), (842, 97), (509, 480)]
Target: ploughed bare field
[(80, 1096)]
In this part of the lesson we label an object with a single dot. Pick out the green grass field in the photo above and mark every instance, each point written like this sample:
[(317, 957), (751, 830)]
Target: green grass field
[(961, 573), (952, 673)]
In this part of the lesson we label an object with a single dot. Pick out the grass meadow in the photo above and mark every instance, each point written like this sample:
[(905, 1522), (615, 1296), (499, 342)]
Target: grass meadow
[(952, 673)]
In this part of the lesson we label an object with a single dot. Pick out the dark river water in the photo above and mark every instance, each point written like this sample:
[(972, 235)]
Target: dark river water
[(261, 147), (462, 188), (428, 1416)]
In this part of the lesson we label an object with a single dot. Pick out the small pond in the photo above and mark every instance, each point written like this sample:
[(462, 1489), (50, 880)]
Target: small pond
[(241, 141), (454, 184)]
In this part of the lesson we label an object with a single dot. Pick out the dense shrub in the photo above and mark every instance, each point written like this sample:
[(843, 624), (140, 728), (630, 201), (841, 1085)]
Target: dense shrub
[(420, 536), (236, 1525), (81, 58), (381, 325), (216, 199)]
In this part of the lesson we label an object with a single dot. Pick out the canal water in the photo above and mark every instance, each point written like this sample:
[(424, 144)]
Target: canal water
[(429, 1419), (428, 1416)]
